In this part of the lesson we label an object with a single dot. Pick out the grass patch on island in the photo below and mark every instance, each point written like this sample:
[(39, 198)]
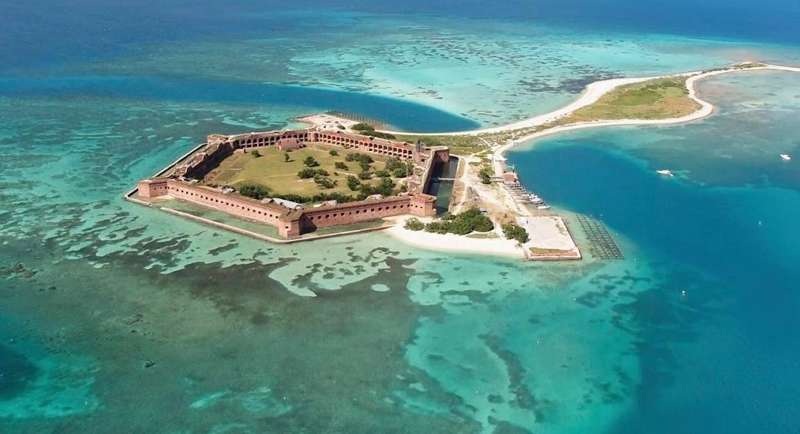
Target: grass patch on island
[(661, 98)]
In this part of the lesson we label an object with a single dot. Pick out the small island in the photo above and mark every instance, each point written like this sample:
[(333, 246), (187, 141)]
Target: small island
[(444, 191)]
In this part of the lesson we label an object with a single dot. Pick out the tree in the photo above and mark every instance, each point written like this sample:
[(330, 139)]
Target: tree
[(255, 153), (306, 173), (413, 224), (341, 166), (286, 157), (254, 191), (310, 161), (353, 183), (365, 175), (382, 174), (324, 181), (513, 231), (333, 152), (486, 175)]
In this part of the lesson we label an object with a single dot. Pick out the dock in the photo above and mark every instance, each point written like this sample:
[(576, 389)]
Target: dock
[(601, 243)]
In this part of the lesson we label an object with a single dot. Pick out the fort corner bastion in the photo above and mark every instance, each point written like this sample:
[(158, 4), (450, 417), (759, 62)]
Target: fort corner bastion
[(183, 181)]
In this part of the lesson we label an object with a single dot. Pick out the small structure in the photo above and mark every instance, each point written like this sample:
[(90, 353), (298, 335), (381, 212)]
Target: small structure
[(289, 144), (510, 178)]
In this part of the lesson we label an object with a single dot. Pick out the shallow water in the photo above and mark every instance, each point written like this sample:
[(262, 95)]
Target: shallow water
[(119, 318)]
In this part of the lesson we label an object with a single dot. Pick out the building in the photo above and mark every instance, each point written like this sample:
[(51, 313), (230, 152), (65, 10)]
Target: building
[(290, 219)]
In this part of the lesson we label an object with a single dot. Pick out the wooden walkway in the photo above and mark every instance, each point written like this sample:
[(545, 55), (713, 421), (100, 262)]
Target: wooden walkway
[(601, 243)]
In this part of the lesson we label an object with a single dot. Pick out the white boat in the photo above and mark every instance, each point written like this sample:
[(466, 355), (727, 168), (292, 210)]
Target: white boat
[(665, 172), (786, 157), (543, 207), (537, 201)]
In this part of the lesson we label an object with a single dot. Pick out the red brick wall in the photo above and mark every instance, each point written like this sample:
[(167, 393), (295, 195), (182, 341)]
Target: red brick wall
[(231, 204), (349, 213)]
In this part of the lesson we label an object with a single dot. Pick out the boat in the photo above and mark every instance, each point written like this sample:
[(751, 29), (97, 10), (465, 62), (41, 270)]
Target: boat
[(665, 172), (543, 207), (786, 157)]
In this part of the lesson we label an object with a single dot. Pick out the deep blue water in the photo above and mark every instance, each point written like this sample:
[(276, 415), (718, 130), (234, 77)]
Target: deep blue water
[(725, 358), (400, 114), (40, 32), (722, 359)]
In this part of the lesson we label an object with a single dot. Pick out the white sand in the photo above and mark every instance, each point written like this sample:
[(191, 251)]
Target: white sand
[(454, 243), (546, 232), (550, 232)]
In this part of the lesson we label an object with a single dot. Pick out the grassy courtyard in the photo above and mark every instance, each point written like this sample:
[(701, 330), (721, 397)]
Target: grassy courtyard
[(271, 170)]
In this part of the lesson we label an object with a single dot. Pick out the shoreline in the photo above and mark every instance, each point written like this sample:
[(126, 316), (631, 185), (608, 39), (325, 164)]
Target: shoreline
[(706, 108), (591, 94), (454, 243), (594, 91)]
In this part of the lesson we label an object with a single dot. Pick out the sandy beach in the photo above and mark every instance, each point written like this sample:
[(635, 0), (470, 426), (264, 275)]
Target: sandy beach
[(543, 234), (454, 243)]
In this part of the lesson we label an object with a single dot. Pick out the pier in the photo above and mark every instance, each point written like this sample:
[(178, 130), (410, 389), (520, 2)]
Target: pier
[(601, 243)]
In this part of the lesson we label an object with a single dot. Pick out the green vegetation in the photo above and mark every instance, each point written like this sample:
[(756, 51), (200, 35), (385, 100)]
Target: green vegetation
[(468, 221), (513, 231), (286, 157), (353, 183), (459, 145), (653, 99), (254, 191), (399, 169), (281, 177), (255, 153), (413, 224), (485, 174), (368, 130), (333, 152), (324, 181), (309, 172), (361, 158), (310, 161), (365, 175)]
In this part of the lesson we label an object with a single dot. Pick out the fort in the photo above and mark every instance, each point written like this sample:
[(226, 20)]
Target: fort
[(193, 179)]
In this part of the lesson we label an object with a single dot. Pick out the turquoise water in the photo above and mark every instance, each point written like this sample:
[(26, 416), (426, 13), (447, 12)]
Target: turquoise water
[(119, 318)]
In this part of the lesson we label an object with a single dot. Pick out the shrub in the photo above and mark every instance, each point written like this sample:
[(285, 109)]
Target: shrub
[(365, 175), (436, 227), (364, 166), (513, 231), (359, 157), (310, 172), (333, 152), (310, 162), (461, 224), (255, 153), (363, 127), (254, 191), (286, 157), (353, 183), (382, 174), (400, 172), (306, 173), (324, 181), (413, 224), (486, 175), (341, 166), (393, 164)]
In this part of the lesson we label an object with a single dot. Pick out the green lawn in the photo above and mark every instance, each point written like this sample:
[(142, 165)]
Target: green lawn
[(654, 99), (280, 177)]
